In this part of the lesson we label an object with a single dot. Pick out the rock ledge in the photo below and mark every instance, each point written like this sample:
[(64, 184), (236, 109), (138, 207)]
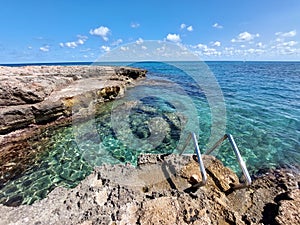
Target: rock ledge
[(158, 192), (36, 98)]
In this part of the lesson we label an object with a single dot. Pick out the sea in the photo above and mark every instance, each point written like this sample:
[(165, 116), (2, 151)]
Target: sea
[(258, 103)]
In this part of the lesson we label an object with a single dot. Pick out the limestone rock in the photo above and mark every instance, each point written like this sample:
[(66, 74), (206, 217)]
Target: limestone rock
[(288, 212), (36, 98), (47, 111), (162, 210), (20, 90), (130, 72), (116, 194), (15, 117)]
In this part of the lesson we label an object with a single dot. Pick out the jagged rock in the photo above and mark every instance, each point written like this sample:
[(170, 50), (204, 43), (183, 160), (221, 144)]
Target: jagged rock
[(15, 117), (47, 111), (47, 90), (157, 192), (154, 211), (130, 72), (288, 212), (19, 90), (35, 98)]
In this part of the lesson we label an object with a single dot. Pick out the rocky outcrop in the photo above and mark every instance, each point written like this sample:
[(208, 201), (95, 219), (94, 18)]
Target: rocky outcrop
[(35, 98), (158, 191), (39, 94)]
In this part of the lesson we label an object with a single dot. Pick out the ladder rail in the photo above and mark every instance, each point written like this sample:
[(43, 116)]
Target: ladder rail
[(240, 160), (192, 136), (242, 164), (200, 161)]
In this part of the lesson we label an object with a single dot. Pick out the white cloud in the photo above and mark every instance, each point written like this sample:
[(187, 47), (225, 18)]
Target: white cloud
[(173, 37), (139, 41), (290, 43), (251, 52), (117, 42), (161, 49), (182, 26), (45, 48), (144, 47), (244, 37), (201, 46), (286, 44), (254, 51), (190, 28), (134, 25), (285, 48), (217, 43), (82, 38), (80, 41), (101, 31), (229, 51), (260, 45), (105, 48), (73, 44), (216, 25), (123, 48), (291, 33), (205, 50)]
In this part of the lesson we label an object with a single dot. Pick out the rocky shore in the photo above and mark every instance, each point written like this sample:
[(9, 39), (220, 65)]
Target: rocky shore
[(36, 98), (159, 191)]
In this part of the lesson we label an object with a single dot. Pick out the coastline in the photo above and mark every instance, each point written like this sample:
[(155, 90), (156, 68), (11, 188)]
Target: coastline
[(69, 95), (158, 192), (36, 98)]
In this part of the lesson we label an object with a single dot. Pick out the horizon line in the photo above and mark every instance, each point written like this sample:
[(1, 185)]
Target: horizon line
[(95, 62)]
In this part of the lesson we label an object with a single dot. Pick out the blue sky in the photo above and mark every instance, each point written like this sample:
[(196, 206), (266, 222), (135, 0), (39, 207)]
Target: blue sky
[(77, 30)]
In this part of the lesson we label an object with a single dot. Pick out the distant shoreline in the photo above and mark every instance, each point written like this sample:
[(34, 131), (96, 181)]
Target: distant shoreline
[(78, 63)]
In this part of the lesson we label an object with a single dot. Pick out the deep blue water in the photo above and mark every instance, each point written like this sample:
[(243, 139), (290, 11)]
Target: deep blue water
[(257, 102)]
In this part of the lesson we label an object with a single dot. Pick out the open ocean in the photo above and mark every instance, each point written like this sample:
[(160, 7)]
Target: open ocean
[(262, 112)]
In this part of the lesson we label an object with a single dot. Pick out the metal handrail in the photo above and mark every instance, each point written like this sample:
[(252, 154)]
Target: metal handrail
[(238, 156), (217, 144), (201, 165)]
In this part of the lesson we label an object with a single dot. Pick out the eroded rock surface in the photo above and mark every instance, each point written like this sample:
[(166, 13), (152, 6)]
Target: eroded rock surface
[(35, 98), (158, 192), (39, 94)]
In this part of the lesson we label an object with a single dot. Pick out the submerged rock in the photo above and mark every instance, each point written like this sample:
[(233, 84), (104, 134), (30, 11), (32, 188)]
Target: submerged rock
[(158, 192)]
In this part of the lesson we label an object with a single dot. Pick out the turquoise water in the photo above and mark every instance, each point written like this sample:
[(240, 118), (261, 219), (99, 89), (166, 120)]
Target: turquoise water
[(262, 113)]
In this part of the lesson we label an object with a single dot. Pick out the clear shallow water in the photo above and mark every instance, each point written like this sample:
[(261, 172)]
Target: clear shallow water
[(262, 108)]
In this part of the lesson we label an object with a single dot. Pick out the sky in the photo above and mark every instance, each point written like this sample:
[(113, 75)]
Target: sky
[(77, 30)]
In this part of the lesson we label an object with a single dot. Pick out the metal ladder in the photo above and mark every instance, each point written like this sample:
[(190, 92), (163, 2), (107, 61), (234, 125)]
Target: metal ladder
[(218, 143)]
